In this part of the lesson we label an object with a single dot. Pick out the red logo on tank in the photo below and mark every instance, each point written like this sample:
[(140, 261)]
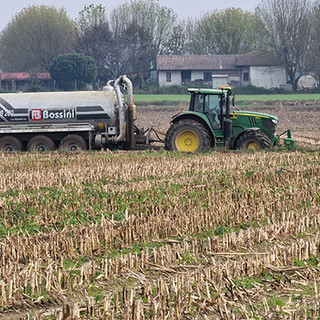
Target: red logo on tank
[(36, 114)]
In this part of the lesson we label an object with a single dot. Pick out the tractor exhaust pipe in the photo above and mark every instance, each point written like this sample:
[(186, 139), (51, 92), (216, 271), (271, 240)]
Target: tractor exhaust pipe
[(227, 124)]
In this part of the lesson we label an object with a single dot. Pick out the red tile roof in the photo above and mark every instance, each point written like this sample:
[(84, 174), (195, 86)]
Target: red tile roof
[(24, 76)]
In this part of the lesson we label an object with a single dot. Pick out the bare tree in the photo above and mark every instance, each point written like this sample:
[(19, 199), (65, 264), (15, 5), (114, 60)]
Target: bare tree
[(287, 24), (313, 61), (142, 29), (96, 38), (176, 43)]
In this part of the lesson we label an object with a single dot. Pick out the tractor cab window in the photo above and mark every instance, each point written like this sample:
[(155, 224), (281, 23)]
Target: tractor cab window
[(199, 103), (212, 110), (210, 106)]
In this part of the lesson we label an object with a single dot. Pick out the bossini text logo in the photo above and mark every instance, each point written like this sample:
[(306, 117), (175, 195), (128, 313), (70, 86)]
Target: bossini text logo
[(40, 114)]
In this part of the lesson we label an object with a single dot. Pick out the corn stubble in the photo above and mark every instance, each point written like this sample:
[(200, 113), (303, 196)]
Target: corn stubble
[(160, 235)]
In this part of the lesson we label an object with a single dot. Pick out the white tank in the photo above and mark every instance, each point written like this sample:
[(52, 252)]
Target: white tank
[(58, 107)]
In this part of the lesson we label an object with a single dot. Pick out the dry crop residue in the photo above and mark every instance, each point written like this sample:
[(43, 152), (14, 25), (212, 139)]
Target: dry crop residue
[(160, 235)]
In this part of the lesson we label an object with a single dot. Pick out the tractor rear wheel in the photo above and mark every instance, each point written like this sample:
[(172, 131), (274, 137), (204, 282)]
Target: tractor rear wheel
[(254, 141), (187, 136)]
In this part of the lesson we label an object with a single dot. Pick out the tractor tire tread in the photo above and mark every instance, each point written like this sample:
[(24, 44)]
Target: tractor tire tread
[(260, 137)]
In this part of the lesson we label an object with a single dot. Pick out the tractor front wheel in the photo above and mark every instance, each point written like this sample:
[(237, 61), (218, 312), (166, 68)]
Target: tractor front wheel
[(187, 136), (254, 141)]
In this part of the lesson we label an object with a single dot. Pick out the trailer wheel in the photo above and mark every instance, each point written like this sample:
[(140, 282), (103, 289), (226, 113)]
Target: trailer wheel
[(10, 143), (40, 143), (254, 141), (73, 142), (187, 136)]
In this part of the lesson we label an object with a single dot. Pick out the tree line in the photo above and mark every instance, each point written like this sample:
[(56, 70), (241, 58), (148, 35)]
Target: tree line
[(128, 38)]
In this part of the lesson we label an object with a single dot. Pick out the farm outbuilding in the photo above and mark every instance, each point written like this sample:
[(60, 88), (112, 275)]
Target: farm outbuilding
[(20, 81), (255, 68)]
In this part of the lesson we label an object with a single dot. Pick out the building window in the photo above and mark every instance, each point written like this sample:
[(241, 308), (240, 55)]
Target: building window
[(168, 76), (207, 76), (246, 76)]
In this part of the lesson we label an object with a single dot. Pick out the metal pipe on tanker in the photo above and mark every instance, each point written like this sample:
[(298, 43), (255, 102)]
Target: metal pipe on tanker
[(129, 90), (122, 112), (131, 113)]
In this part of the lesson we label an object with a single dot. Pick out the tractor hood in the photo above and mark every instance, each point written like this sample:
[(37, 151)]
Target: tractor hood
[(235, 114)]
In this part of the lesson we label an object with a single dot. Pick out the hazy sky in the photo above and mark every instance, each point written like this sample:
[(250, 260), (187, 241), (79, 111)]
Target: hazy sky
[(184, 8)]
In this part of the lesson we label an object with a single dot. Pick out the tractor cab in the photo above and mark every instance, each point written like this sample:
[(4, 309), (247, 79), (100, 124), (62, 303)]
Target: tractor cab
[(212, 103)]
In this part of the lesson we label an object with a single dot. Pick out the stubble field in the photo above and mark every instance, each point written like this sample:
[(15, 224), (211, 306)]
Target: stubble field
[(157, 235)]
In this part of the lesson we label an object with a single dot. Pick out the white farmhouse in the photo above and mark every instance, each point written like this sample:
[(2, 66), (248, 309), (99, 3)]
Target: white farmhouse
[(255, 68)]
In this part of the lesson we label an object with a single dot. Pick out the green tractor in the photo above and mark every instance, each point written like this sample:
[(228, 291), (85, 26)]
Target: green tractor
[(209, 123)]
